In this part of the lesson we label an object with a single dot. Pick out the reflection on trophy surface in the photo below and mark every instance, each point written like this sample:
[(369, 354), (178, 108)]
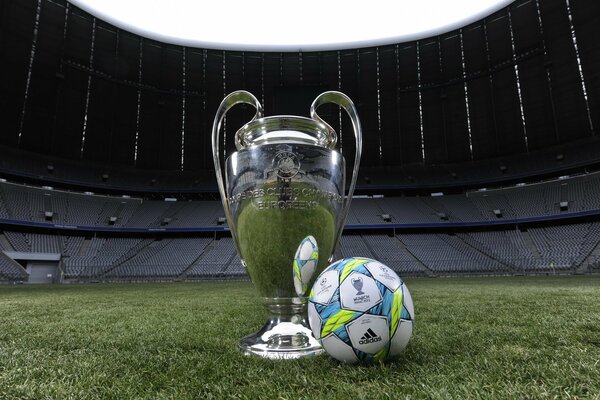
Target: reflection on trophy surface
[(285, 183)]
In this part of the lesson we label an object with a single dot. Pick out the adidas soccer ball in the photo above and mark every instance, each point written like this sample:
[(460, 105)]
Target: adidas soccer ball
[(360, 311), (305, 264)]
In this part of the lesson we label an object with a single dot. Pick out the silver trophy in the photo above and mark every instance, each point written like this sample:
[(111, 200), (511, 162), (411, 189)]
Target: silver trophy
[(285, 182)]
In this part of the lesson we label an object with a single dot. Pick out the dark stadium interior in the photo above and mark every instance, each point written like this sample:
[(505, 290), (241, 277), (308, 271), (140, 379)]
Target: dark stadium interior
[(481, 151)]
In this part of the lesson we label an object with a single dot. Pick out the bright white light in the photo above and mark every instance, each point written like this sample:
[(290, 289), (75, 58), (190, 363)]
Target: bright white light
[(276, 25)]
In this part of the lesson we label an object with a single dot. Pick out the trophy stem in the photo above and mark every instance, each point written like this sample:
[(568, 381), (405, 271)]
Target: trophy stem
[(286, 334)]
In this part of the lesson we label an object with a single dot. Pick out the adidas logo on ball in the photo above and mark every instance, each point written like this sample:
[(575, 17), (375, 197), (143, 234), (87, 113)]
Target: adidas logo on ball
[(369, 337)]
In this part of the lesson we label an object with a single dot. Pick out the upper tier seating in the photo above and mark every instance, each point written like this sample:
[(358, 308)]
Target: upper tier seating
[(547, 199)]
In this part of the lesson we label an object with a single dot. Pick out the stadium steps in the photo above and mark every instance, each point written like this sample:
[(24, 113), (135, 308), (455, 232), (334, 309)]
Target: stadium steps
[(564, 193), (48, 206), (438, 207), (530, 245), (368, 246), (103, 212), (119, 212), (169, 212), (585, 265), (484, 250), (11, 267), (204, 251), (5, 244), (418, 262), (172, 212), (137, 249), (18, 241), (6, 204), (206, 258), (84, 247), (229, 262)]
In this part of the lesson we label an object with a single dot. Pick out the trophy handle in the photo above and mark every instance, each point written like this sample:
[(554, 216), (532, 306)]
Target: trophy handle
[(343, 101), (234, 98)]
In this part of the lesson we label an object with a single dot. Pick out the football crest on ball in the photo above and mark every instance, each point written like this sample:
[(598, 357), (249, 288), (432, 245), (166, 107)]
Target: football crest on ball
[(305, 264), (361, 310)]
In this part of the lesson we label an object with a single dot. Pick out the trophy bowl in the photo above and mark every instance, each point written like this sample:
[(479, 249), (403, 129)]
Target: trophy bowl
[(284, 183)]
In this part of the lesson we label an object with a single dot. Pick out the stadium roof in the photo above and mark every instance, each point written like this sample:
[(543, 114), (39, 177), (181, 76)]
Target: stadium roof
[(275, 25)]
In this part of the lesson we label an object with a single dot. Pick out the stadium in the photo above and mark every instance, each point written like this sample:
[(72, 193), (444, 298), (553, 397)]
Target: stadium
[(479, 185)]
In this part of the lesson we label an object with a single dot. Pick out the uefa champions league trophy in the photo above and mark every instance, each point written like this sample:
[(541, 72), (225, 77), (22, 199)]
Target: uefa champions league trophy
[(285, 182)]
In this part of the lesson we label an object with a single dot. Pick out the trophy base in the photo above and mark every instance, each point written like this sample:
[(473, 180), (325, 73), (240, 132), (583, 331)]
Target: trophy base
[(286, 334)]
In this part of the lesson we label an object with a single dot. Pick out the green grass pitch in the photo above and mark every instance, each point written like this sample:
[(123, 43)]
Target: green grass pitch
[(505, 338)]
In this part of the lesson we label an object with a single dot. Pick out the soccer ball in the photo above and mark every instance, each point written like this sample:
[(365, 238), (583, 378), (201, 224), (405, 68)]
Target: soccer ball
[(305, 264), (360, 311)]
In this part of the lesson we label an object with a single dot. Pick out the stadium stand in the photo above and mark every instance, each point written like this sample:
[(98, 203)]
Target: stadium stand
[(580, 194), (215, 260), (510, 248), (447, 254), (486, 165), (160, 259), (548, 250), (10, 270)]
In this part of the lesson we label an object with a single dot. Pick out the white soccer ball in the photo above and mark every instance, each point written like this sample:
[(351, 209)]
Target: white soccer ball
[(306, 260), (361, 311)]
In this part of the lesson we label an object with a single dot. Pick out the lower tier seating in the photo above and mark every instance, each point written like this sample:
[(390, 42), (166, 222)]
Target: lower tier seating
[(554, 249)]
